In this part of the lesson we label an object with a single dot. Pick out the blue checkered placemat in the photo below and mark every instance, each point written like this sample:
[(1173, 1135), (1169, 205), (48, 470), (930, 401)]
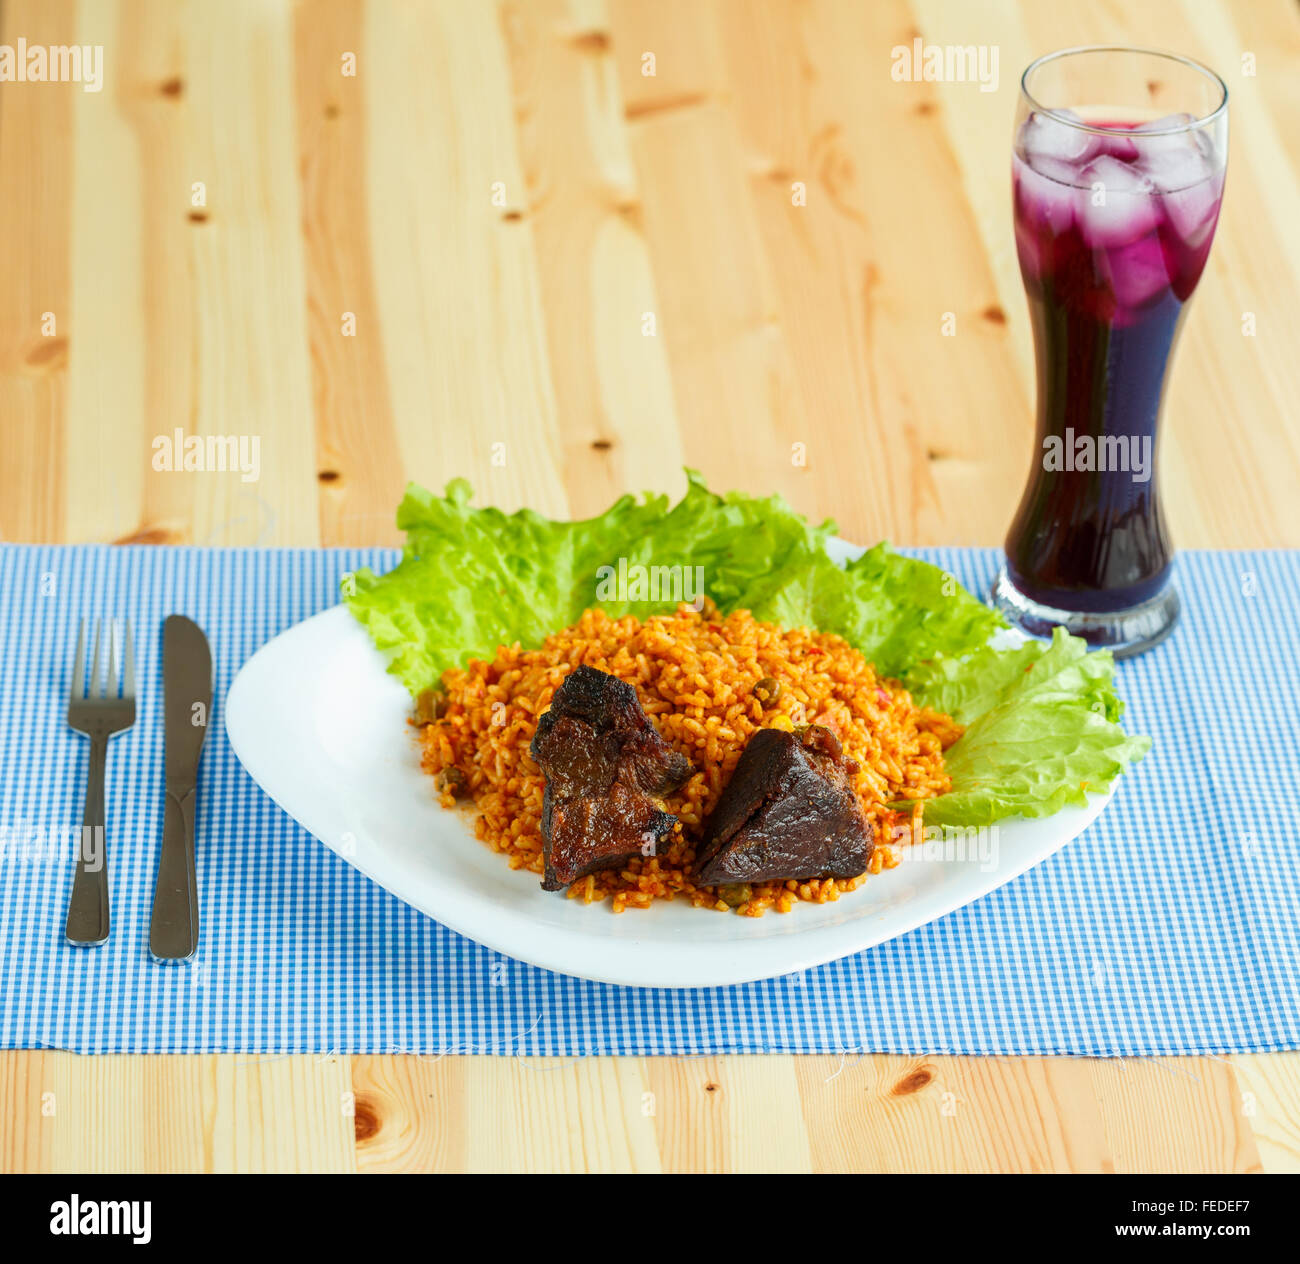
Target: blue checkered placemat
[(1171, 927)]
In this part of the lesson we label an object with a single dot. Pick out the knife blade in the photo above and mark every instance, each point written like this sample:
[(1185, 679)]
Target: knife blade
[(187, 702)]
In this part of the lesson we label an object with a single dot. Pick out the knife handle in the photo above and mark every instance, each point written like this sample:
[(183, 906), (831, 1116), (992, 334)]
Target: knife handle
[(174, 928)]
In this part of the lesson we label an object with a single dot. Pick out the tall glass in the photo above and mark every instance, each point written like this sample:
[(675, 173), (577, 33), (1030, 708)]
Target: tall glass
[(1117, 175)]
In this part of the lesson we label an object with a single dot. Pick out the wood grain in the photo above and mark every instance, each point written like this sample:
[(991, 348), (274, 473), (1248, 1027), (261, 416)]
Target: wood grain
[(35, 316), (567, 278)]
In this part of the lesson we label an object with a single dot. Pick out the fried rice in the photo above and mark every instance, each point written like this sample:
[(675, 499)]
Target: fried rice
[(708, 683)]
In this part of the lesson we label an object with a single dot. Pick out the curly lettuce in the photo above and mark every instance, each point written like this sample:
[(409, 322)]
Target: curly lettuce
[(1042, 719)]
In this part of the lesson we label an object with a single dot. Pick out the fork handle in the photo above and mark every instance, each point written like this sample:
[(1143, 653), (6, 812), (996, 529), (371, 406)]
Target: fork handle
[(88, 909), (174, 927)]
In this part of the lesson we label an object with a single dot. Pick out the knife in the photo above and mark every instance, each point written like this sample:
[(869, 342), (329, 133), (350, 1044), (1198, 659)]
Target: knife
[(187, 703)]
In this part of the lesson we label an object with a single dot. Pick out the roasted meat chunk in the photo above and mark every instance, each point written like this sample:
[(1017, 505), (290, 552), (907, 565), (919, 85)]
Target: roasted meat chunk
[(789, 811), (606, 770), (585, 832)]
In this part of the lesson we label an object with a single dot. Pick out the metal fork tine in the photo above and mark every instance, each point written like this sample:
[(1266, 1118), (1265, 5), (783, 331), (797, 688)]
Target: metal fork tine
[(79, 667), (94, 661), (110, 683), (128, 663)]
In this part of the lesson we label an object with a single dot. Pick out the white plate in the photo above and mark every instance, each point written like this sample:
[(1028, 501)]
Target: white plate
[(322, 728)]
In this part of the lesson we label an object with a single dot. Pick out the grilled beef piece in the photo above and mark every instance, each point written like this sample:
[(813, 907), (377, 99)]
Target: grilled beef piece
[(789, 811), (605, 767), (586, 832)]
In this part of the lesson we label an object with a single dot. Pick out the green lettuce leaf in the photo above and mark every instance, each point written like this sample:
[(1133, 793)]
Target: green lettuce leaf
[(1043, 720), (897, 610), (472, 579), (1043, 729)]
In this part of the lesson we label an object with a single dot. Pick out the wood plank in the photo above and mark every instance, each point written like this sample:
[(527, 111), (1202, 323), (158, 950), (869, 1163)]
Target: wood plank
[(108, 424), (36, 327), (495, 1114), (732, 375), (1268, 1086), (1025, 1115), (411, 1113), (728, 1114), (874, 1113), (293, 1113), (359, 457), (1232, 397), (455, 275), (917, 1114), (614, 397), (26, 1124), (1173, 1115), (251, 373), (717, 311), (196, 311), (203, 1113), (883, 295)]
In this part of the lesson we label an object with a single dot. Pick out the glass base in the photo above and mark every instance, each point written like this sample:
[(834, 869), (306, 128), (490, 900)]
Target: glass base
[(1123, 632)]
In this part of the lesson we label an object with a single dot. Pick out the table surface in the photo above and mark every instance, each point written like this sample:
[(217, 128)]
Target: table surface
[(502, 249)]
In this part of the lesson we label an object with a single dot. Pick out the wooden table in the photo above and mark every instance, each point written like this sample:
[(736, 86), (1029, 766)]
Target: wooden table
[(502, 250)]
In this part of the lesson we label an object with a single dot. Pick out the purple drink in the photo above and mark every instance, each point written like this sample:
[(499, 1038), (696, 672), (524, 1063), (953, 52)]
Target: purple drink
[(1114, 220)]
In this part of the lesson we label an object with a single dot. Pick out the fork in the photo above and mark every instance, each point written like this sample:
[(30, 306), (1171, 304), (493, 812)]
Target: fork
[(98, 713)]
